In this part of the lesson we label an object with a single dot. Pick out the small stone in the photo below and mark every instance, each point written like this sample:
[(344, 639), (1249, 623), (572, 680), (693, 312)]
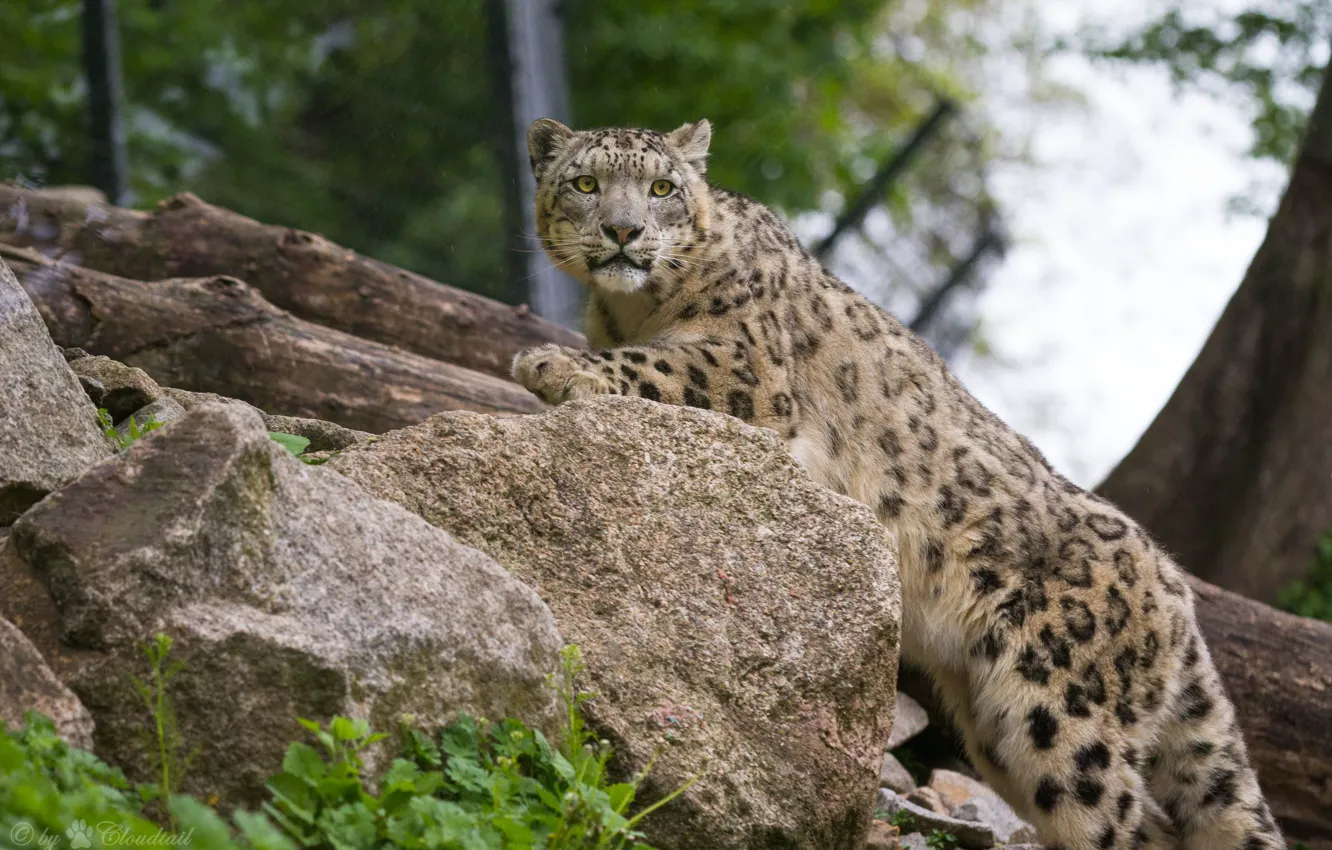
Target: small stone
[(914, 841), (882, 836), (928, 798), (955, 788), (323, 436), (125, 388), (162, 411), (967, 799), (909, 720), (94, 388), (893, 775), (974, 836)]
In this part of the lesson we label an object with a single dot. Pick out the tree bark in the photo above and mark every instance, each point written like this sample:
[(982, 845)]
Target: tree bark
[(219, 335), (301, 272), (1235, 474)]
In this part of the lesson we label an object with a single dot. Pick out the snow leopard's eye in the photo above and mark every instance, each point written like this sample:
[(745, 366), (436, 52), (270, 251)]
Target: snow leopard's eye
[(585, 184), (662, 188)]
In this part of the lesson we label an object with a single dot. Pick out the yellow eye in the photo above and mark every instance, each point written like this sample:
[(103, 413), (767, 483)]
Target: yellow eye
[(585, 184), (662, 188)]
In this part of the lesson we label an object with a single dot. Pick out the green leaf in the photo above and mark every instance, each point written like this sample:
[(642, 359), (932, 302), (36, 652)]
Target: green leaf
[(621, 795), (293, 443), (260, 832), (563, 767), (350, 827), (301, 760)]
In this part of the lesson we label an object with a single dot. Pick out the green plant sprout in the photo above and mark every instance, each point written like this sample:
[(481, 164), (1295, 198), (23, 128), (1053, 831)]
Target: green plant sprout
[(474, 785), (135, 430), (164, 740), (940, 840)]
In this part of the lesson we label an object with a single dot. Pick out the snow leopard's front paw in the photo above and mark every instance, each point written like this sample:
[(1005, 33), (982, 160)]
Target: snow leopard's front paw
[(557, 374)]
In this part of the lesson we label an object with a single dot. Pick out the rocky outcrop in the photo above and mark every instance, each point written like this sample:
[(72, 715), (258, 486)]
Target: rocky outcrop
[(730, 611), (27, 684), (48, 427), (290, 592)]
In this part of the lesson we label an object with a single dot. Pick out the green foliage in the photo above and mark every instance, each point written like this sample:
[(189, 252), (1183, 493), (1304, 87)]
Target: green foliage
[(164, 741), (135, 432), (903, 820), (940, 840), (805, 54), (474, 786), (50, 792), (378, 125), (1312, 595), (1267, 53)]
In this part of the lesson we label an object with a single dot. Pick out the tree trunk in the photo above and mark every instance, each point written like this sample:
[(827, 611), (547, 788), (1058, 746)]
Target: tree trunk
[(219, 335), (297, 271), (1235, 474)]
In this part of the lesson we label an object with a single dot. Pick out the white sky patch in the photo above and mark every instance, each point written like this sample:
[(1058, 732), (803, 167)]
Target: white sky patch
[(1124, 254)]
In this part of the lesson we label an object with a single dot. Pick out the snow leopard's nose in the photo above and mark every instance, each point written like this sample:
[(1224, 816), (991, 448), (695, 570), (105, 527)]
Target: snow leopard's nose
[(622, 235)]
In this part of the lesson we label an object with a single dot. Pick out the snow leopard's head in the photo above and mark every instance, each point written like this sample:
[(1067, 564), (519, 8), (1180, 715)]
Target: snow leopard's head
[(619, 207)]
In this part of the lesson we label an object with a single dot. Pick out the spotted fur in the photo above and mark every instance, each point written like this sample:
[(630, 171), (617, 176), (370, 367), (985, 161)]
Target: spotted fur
[(1059, 635)]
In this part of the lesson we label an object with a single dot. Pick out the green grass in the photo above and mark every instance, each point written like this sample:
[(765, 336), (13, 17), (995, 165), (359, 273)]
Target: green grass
[(473, 785)]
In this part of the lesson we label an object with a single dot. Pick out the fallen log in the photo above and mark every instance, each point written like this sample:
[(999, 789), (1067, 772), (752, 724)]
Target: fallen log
[(297, 271), (218, 334)]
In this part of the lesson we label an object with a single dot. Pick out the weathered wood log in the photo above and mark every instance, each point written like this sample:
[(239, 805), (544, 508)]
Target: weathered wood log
[(219, 335), (1278, 671), (301, 272), (1234, 474)]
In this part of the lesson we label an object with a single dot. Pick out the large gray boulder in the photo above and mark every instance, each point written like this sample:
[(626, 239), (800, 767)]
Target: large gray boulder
[(290, 593), (48, 427), (731, 611)]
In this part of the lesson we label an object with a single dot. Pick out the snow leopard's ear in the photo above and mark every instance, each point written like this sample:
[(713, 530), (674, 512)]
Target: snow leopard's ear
[(692, 140), (546, 140)]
